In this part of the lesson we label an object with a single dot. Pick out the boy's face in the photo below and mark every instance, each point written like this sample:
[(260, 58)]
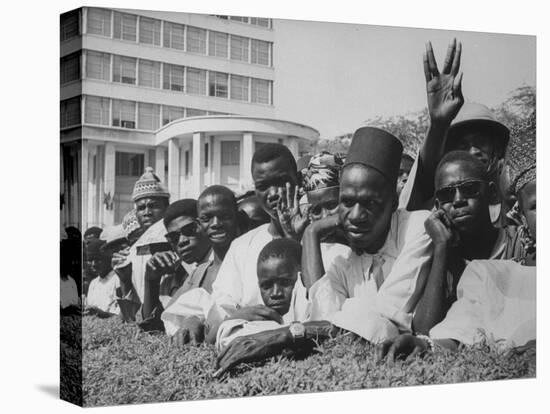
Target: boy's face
[(277, 277), (323, 202), (464, 195), (149, 210), (218, 218), (528, 206), (367, 202), (480, 144), (404, 171), (187, 239), (97, 265), (268, 178)]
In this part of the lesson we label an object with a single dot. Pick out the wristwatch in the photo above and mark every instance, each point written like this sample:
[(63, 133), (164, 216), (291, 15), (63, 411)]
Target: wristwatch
[(297, 331)]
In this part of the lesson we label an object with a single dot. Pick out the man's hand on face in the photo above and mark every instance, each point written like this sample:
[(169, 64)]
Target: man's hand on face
[(444, 89), (440, 228), (192, 332), (257, 313), (326, 226), (405, 346), (161, 263), (293, 221)]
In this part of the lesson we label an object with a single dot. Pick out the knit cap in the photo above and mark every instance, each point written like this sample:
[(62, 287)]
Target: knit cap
[(149, 185), (521, 154), (130, 222)]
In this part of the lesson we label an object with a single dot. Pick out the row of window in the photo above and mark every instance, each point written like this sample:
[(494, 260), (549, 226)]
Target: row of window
[(256, 21), (124, 114), (133, 71), (171, 35)]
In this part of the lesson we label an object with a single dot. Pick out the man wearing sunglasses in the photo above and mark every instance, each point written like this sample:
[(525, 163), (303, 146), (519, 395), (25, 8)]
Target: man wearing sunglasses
[(461, 231)]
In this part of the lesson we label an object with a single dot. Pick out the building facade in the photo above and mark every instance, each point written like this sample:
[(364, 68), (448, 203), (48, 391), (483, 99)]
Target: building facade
[(190, 95)]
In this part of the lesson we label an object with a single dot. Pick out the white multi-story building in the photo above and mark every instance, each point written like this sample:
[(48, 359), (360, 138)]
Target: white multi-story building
[(190, 95)]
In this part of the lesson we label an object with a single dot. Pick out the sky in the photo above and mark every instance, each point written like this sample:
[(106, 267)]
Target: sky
[(333, 76)]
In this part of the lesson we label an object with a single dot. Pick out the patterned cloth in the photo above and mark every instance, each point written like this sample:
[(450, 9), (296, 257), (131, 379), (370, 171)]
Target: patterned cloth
[(521, 155), (323, 171), (149, 185)]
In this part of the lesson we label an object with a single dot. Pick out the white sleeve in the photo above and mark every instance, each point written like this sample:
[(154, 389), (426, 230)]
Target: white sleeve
[(195, 302), (328, 294), (234, 328), (227, 288)]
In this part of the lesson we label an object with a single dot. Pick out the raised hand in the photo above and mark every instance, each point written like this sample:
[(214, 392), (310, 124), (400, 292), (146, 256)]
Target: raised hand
[(444, 89), (163, 262), (440, 228), (293, 221)]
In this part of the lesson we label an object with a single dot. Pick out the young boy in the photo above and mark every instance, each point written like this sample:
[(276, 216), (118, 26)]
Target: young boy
[(102, 297), (461, 230), (278, 270)]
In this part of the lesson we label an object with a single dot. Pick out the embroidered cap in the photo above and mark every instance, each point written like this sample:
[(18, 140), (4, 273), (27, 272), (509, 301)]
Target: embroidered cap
[(149, 185)]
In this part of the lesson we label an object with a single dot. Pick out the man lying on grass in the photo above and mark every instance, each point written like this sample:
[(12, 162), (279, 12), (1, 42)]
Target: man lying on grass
[(496, 298), (373, 291), (461, 231)]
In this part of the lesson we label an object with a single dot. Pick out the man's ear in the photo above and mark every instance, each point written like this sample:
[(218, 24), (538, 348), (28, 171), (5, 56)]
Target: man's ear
[(492, 193)]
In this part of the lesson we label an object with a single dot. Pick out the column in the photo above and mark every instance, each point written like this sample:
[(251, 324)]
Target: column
[(216, 160), (246, 162), (107, 202), (85, 184), (197, 164), (173, 169), (160, 163)]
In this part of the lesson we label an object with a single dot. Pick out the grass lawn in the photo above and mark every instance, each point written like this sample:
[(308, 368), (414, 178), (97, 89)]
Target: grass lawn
[(124, 366)]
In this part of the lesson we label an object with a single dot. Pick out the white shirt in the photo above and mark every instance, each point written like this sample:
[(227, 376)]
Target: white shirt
[(496, 300), (102, 293), (69, 292), (358, 295)]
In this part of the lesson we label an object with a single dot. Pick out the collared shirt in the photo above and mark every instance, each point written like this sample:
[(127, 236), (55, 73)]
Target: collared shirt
[(496, 301), (369, 294), (102, 293), (237, 282)]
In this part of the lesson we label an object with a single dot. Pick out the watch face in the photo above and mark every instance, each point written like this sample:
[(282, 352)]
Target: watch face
[(297, 330)]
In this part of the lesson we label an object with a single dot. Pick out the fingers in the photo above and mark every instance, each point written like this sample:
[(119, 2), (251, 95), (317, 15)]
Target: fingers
[(449, 58), (288, 195), (457, 86), (456, 60), (382, 349), (431, 60), (391, 354), (427, 73)]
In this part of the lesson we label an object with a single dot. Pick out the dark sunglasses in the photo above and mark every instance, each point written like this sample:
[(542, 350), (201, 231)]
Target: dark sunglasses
[(468, 189), (189, 230)]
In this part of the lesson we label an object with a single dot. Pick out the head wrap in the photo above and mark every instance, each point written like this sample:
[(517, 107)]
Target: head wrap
[(130, 222), (521, 153), (378, 149), (472, 114), (323, 171), (186, 207), (149, 185)]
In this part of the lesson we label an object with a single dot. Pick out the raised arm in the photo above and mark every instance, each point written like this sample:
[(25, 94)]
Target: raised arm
[(444, 93)]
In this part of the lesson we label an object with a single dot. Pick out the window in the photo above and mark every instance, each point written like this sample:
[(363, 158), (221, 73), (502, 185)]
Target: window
[(217, 85), (96, 110), (206, 154), (260, 21), (128, 164), (239, 19), (70, 112), (70, 68), (171, 113), (69, 27), (174, 35), (98, 65), (124, 70), (217, 44), (124, 114), (239, 88), (149, 31), (99, 22), (260, 91), (148, 116), (125, 26), (196, 40), (196, 81), (173, 77), (187, 163), (230, 152), (239, 48), (259, 52), (217, 113), (195, 112), (149, 73)]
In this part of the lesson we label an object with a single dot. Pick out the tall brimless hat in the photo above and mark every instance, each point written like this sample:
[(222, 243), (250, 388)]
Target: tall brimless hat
[(472, 114), (377, 149), (149, 185), (521, 154)]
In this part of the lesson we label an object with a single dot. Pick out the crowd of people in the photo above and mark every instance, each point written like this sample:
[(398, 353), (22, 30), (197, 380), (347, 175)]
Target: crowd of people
[(410, 253)]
